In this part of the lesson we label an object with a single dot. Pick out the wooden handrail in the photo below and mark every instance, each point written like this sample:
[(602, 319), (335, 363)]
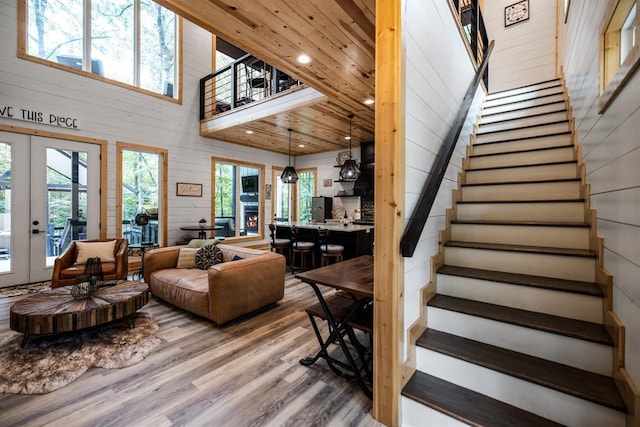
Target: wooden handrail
[(421, 212)]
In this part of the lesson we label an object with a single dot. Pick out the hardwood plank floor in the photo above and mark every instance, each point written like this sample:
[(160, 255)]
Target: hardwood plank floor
[(243, 374)]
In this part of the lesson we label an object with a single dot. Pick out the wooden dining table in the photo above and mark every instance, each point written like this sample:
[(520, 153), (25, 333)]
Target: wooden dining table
[(349, 309)]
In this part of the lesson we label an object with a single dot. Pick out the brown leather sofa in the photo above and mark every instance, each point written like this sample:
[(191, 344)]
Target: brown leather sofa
[(224, 291), (65, 269)]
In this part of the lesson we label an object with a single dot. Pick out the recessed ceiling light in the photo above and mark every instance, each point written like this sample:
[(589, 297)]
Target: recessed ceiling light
[(369, 101), (301, 145), (347, 138), (304, 59), (250, 132)]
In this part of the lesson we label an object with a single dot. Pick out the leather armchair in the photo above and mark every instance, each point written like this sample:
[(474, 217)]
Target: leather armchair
[(65, 270)]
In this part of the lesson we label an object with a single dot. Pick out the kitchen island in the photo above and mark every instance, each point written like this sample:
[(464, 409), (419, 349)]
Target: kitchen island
[(356, 239)]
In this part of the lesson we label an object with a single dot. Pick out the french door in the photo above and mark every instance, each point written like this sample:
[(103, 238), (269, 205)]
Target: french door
[(49, 195)]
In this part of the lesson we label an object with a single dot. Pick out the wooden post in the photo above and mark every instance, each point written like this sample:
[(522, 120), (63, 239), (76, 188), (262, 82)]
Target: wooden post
[(389, 213)]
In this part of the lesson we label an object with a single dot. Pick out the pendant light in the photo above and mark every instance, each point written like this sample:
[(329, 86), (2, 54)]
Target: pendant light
[(289, 175), (349, 170)]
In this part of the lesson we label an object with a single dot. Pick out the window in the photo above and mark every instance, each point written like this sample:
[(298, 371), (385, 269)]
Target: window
[(238, 199), (620, 52), (141, 188), (281, 202), (306, 190), (133, 42)]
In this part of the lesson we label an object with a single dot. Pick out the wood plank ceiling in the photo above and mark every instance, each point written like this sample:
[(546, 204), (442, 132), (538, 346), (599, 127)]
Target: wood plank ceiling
[(338, 35)]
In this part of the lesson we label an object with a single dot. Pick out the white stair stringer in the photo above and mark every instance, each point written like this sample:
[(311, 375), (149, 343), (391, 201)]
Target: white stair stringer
[(549, 301), (546, 402), (581, 354)]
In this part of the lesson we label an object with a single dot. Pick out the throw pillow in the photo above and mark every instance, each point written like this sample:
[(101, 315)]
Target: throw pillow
[(103, 250), (207, 256), (198, 243), (236, 258), (187, 258)]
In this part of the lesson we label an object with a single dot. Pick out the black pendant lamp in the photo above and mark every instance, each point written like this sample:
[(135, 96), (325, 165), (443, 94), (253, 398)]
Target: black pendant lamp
[(349, 170), (289, 175)]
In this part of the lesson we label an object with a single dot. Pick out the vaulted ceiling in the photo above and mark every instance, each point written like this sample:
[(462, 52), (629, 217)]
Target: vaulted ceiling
[(338, 35)]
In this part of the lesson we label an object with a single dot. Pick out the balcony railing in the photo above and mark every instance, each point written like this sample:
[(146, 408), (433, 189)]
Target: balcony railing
[(247, 79), (474, 31)]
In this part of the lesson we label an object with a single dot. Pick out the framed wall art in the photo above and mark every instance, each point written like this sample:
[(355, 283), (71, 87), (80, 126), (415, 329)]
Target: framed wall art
[(516, 12), (188, 189)]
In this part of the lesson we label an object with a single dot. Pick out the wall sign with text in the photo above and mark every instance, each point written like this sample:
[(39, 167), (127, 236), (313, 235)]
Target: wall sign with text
[(38, 116), (516, 12)]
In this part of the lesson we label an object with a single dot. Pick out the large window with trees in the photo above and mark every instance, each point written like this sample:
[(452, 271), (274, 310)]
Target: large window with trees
[(132, 42), (306, 190), (141, 189), (238, 198)]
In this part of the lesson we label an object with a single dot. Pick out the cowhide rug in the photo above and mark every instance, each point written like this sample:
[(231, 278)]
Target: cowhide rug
[(50, 362)]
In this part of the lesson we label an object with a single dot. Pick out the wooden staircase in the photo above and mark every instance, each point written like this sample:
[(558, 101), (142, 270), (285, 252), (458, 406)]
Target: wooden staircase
[(519, 328)]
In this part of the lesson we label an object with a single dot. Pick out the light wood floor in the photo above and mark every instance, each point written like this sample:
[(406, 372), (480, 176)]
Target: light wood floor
[(243, 374)]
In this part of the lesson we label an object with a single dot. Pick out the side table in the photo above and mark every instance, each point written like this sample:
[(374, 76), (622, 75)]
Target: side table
[(139, 247)]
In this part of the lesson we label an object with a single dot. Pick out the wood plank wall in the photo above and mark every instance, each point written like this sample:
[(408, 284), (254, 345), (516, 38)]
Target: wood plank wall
[(611, 152), (525, 52)]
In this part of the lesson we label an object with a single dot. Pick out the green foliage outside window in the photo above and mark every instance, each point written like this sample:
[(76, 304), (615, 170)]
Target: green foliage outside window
[(306, 190)]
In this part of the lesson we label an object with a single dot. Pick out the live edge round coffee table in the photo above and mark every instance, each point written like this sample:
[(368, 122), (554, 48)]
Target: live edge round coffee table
[(57, 311)]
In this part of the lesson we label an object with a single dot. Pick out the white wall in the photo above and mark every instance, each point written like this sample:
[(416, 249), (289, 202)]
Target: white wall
[(117, 114), (525, 52), (611, 152), (438, 73)]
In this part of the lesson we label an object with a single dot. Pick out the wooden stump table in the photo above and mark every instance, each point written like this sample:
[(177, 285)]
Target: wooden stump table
[(57, 311)]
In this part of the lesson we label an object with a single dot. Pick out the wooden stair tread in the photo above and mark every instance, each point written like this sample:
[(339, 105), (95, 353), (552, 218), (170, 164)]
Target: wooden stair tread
[(580, 329), (522, 248), (522, 108), (528, 150), (531, 85), (521, 118), (528, 165), (522, 223), (577, 382), (539, 181), (522, 127), (502, 141), (505, 103), (467, 405), (564, 285), (471, 202)]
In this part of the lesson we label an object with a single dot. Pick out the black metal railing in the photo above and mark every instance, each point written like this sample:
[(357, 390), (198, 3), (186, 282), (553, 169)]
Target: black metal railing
[(474, 31), (247, 79), (421, 212)]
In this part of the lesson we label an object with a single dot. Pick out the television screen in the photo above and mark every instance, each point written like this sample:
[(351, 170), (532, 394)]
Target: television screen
[(250, 184)]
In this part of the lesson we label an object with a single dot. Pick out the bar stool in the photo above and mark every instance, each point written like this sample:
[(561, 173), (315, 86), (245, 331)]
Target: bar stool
[(328, 251), (281, 246), (301, 247)]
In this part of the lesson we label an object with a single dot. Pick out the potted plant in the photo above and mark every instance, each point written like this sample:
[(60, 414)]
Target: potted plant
[(203, 223)]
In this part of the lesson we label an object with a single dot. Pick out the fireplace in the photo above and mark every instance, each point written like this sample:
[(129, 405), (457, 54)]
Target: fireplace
[(250, 223)]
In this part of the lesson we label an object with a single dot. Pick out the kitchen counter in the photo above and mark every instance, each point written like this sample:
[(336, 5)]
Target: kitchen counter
[(356, 239), (329, 225)]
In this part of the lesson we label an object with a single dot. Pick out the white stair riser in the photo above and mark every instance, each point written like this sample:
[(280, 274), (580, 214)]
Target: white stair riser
[(415, 414), (523, 122), (540, 400), (531, 173), (523, 89), (548, 301), (519, 114), (569, 351), (550, 212), (526, 191), (536, 264), (523, 133), (522, 97), (525, 144), (548, 236), (529, 103), (563, 154)]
